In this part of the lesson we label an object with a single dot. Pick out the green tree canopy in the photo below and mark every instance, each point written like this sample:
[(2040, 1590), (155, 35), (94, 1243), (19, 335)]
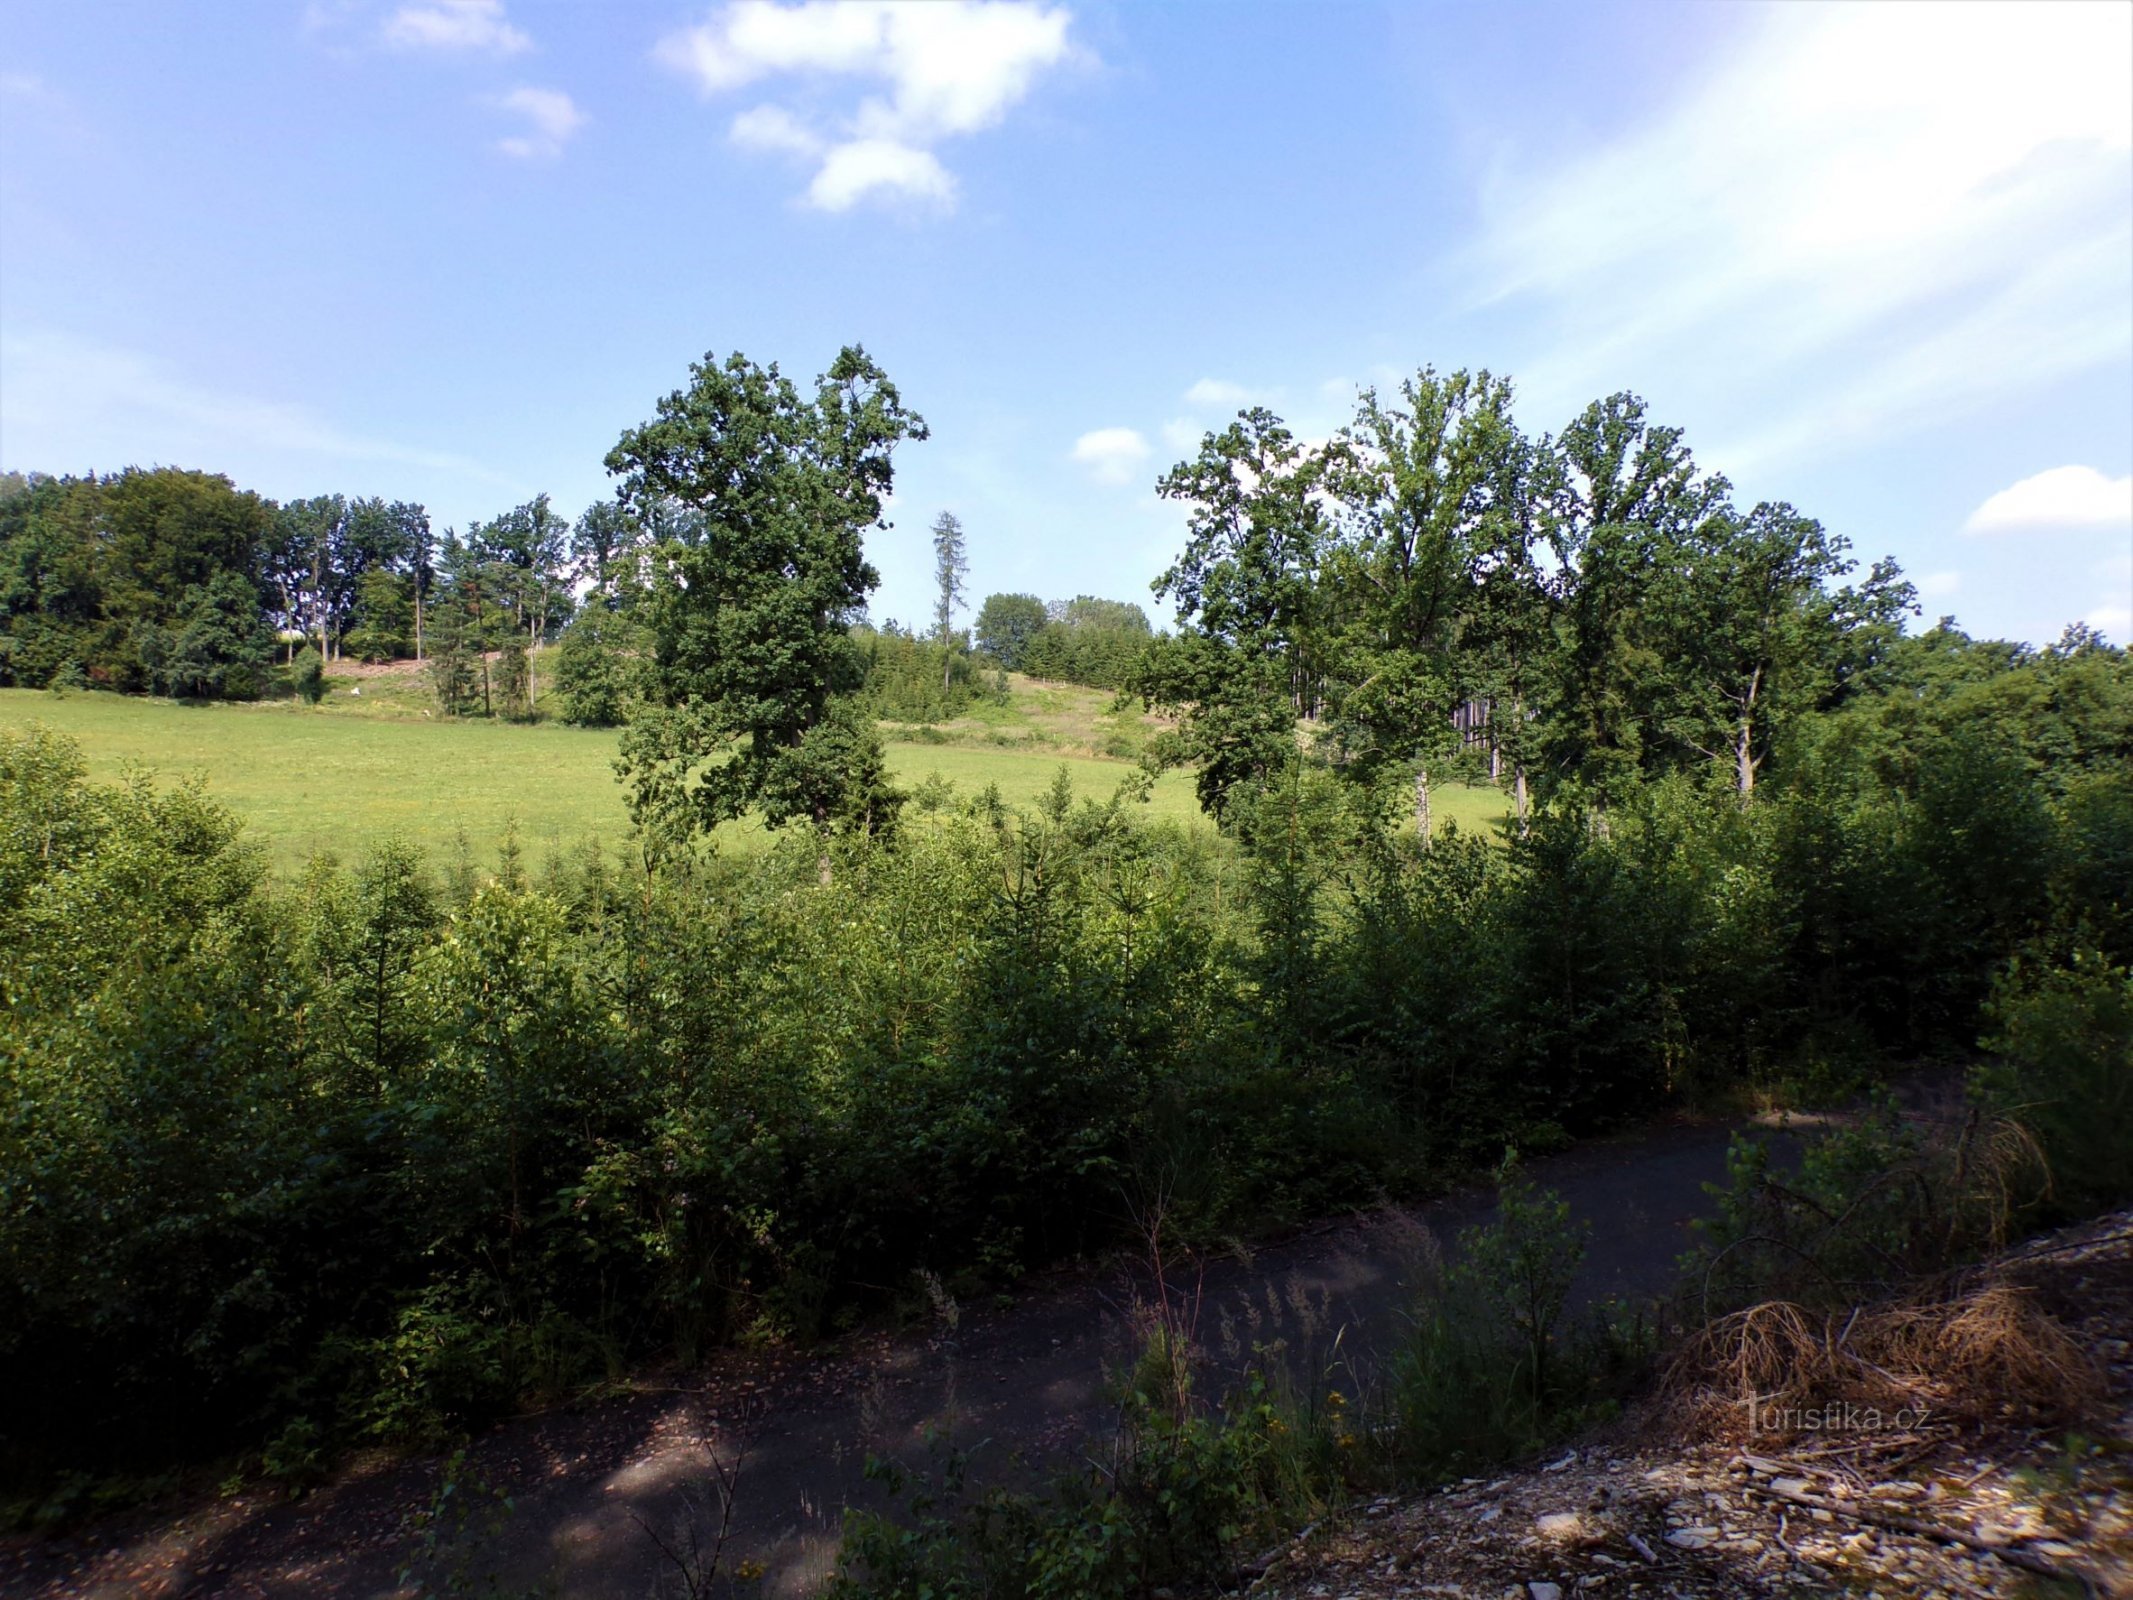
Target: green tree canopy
[(1006, 625), (1432, 499), (146, 579), (1248, 659), (753, 665)]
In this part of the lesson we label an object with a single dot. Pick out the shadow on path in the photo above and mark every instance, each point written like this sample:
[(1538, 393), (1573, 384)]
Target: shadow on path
[(1025, 1383)]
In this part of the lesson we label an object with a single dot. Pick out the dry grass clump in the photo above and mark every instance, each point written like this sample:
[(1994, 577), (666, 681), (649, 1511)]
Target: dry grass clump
[(1778, 1369)]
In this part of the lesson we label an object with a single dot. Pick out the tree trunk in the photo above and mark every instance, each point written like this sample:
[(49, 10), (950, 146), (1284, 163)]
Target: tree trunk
[(1744, 741), (1518, 785), (1422, 821), (418, 616), (318, 605)]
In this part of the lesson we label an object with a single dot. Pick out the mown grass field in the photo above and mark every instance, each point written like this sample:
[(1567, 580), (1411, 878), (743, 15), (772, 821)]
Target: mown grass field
[(340, 777)]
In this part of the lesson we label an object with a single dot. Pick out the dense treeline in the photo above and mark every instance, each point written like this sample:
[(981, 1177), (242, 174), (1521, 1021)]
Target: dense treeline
[(911, 678), (146, 581), (172, 582), (1084, 640), (1590, 609)]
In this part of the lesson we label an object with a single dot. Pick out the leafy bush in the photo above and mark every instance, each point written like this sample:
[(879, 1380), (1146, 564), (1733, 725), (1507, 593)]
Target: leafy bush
[(600, 667), (2062, 1067), (1178, 1487), (307, 676), (1492, 1367)]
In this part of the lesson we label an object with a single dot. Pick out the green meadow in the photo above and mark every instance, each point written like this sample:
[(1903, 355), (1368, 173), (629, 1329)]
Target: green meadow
[(340, 777)]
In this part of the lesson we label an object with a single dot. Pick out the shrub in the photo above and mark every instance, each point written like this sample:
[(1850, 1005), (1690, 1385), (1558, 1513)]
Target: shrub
[(1492, 1367), (307, 676), (2062, 1067)]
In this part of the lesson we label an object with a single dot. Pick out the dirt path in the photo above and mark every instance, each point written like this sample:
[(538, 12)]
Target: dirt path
[(1021, 1383)]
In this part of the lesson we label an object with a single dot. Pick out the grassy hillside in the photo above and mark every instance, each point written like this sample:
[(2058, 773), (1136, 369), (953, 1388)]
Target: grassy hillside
[(362, 767)]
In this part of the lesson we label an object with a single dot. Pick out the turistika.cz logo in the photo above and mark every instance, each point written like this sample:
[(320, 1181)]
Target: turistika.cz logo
[(1836, 1416)]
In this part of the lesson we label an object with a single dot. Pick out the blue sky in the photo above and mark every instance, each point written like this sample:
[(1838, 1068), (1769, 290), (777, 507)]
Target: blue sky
[(1877, 261)]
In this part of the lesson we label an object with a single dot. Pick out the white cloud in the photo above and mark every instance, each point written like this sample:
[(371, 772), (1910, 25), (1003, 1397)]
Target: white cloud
[(71, 405), (1888, 215), (473, 25), (1219, 395), (2064, 497), (551, 118), (1112, 455), (30, 89), (775, 128), (852, 171), (1939, 585), (2111, 619), (947, 68), (1183, 434)]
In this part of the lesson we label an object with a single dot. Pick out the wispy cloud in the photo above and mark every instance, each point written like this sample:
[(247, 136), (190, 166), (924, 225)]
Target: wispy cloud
[(945, 68), (62, 396), (1884, 215), (473, 26), (27, 88), (550, 118), (2064, 497), (2111, 618), (1112, 455), (1218, 394)]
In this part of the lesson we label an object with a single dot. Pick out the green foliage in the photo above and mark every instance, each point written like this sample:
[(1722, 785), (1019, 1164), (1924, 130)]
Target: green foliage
[(1180, 1485), (441, 1370), (2062, 1067), (307, 675), (512, 683), (145, 580), (454, 671), (748, 607), (1248, 661), (346, 573), (951, 567), (2048, 1137), (1085, 640), (1430, 487), (371, 1158), (1006, 624), (1493, 1367), (601, 667), (910, 679), (388, 1157), (386, 606)]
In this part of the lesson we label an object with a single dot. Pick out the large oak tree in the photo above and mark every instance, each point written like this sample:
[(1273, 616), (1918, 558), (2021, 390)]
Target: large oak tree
[(755, 676)]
